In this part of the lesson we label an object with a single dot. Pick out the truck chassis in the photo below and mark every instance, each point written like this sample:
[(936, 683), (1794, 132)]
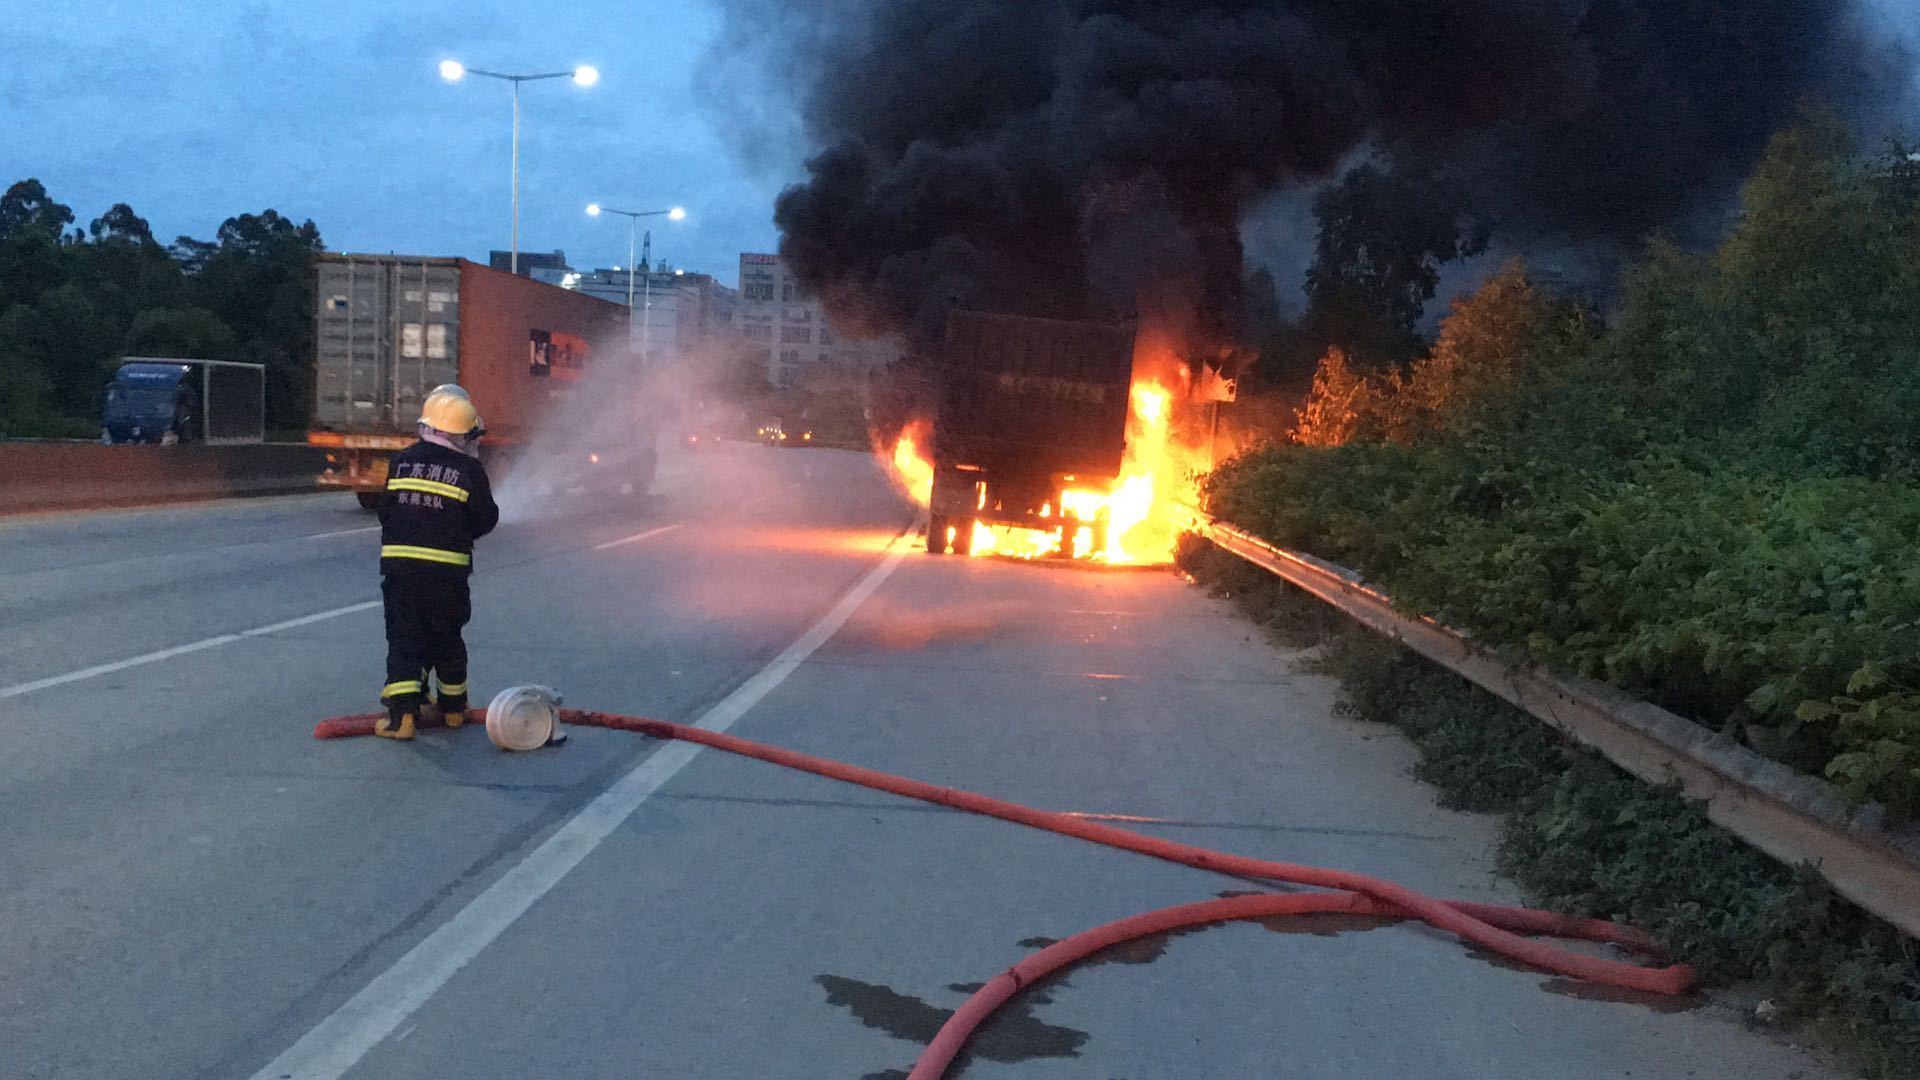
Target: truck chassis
[(964, 494)]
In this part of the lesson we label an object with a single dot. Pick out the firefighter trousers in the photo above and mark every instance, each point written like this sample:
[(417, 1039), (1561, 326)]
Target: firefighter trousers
[(425, 611)]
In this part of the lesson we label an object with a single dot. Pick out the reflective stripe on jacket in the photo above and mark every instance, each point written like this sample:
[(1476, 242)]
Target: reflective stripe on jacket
[(437, 502)]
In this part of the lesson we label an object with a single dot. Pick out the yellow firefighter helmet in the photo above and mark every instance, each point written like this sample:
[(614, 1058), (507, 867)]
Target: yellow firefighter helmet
[(449, 409)]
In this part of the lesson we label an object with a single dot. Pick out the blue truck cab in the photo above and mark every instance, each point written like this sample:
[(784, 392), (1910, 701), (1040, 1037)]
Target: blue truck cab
[(150, 402), (168, 401)]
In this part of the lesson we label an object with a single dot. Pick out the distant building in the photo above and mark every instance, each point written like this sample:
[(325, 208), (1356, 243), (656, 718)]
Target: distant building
[(533, 264), (775, 313), (678, 310)]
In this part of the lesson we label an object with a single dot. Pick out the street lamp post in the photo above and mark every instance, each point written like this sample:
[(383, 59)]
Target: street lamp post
[(584, 75), (633, 218)]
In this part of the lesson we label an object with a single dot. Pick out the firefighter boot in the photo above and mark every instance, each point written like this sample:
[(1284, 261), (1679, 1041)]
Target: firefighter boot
[(453, 705), (390, 727), (403, 711)]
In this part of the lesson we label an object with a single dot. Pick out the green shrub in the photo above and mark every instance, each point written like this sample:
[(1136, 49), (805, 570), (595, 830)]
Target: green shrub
[(1710, 504)]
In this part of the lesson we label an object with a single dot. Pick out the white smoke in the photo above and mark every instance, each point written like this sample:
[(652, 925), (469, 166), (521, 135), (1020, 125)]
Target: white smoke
[(616, 437)]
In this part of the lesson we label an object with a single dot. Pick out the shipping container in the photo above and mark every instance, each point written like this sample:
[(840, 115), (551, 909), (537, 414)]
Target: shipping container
[(1028, 409), (390, 328)]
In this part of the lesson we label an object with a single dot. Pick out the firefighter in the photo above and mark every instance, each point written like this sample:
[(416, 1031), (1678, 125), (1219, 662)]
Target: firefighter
[(438, 501)]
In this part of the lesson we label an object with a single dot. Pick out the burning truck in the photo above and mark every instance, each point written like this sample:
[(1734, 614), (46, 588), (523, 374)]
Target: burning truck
[(1030, 410), (1056, 439)]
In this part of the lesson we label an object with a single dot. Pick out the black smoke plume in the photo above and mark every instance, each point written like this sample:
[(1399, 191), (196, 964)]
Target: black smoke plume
[(1094, 157)]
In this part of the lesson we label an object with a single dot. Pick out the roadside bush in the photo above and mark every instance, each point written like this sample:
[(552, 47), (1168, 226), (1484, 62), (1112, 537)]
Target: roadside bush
[(1778, 610), (1709, 505)]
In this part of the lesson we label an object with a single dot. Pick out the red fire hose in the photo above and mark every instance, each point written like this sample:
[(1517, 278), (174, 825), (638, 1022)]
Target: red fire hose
[(1494, 927)]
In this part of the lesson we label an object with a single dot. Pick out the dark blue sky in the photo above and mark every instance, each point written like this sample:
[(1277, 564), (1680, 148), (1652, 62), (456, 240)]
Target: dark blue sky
[(195, 110)]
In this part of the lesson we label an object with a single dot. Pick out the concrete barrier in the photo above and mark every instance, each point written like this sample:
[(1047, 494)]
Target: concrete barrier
[(39, 476)]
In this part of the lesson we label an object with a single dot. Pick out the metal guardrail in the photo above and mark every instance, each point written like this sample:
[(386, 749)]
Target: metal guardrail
[(1792, 817)]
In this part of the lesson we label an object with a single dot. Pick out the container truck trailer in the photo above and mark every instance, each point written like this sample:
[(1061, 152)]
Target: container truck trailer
[(1028, 409), (390, 328)]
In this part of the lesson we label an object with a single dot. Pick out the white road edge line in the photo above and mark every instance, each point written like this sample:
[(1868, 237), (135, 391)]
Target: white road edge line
[(180, 650), (637, 537), (338, 532), (340, 1041)]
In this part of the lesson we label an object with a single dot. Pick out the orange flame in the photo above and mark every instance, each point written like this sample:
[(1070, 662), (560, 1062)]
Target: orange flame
[(1144, 512), (911, 465)]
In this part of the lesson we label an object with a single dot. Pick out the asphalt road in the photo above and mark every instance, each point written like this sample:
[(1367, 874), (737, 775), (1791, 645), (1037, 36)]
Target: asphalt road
[(191, 886)]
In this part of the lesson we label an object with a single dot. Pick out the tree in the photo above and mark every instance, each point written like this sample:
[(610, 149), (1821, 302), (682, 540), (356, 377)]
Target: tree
[(72, 300), (190, 332), (31, 235), (192, 255), (78, 348), (1339, 406), (120, 225), (26, 208), (258, 282), (1507, 331), (268, 235), (30, 264), (24, 386), (1384, 234)]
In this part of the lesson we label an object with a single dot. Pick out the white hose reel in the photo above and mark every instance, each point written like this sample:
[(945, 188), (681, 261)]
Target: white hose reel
[(525, 718)]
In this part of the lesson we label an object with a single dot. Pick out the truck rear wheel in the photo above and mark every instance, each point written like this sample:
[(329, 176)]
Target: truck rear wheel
[(936, 535), (369, 500), (963, 536)]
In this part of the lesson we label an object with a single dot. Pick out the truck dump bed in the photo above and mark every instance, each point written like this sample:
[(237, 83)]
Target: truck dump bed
[(1034, 396)]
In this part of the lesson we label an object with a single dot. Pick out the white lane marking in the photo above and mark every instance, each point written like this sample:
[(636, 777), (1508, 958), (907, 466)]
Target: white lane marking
[(340, 532), (651, 533), (180, 650), (228, 639), (340, 1041), (637, 537)]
